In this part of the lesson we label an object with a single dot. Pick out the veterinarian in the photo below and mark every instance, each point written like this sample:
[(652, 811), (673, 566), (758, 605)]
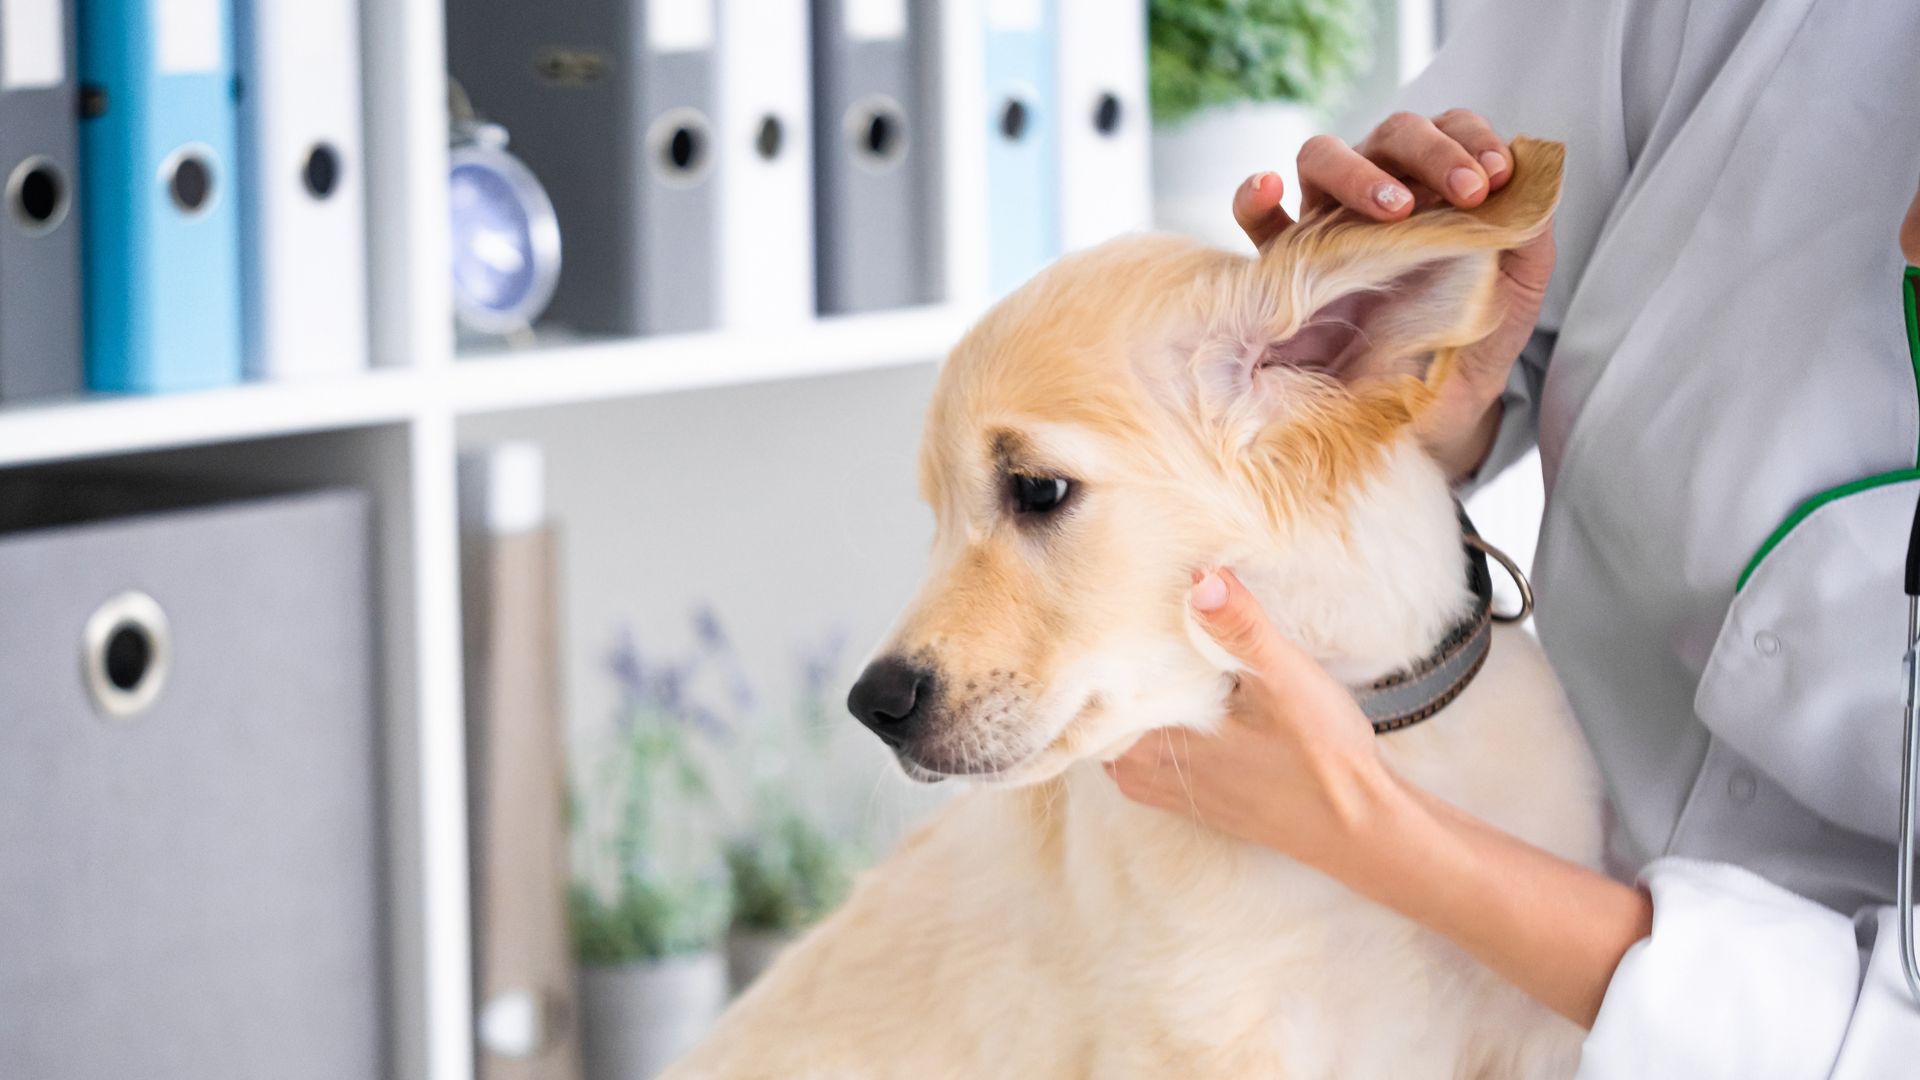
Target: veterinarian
[(1708, 352)]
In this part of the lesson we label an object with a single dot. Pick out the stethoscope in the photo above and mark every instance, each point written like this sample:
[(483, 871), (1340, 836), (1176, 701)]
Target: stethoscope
[(1910, 739)]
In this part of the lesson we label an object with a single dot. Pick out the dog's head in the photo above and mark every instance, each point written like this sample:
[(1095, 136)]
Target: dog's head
[(1146, 409)]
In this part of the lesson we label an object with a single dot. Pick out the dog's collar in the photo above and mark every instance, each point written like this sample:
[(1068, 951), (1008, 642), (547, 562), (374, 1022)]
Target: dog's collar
[(1404, 699)]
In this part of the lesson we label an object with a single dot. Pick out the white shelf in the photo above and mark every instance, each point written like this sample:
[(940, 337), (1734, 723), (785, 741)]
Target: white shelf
[(93, 426), (561, 372), (554, 371)]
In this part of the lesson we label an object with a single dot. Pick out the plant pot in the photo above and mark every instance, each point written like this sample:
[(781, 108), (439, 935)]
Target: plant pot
[(638, 1018), (750, 952), (1198, 162)]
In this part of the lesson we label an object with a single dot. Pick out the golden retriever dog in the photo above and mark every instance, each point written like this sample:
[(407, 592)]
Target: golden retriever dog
[(1137, 412)]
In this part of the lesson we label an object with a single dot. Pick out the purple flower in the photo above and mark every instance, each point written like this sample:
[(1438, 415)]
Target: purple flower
[(624, 661), (741, 691), (668, 688), (704, 720), (707, 629)]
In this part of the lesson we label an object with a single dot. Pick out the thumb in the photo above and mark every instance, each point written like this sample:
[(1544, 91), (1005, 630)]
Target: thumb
[(1233, 618), (1257, 210)]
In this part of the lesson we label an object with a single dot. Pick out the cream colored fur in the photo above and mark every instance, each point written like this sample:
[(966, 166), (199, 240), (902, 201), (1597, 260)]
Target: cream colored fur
[(1041, 925)]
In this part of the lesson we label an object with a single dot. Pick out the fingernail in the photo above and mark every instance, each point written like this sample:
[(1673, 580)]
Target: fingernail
[(1391, 196), (1463, 182), (1209, 594), (1493, 163)]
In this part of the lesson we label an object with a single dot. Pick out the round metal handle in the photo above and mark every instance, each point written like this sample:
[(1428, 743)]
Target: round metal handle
[(126, 654)]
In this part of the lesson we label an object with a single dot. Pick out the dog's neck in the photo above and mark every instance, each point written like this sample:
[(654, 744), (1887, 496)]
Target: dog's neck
[(1371, 586)]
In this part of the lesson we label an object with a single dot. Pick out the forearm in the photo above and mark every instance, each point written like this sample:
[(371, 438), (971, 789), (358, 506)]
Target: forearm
[(1553, 928)]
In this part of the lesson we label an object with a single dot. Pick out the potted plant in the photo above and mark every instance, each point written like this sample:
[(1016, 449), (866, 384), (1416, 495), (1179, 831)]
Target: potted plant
[(786, 875), (788, 869), (651, 898), (1235, 85)]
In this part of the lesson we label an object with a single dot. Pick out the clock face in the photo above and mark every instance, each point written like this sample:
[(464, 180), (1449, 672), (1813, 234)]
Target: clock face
[(493, 245)]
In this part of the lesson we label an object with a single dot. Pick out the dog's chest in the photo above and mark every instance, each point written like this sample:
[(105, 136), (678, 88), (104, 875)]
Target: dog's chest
[(1203, 959)]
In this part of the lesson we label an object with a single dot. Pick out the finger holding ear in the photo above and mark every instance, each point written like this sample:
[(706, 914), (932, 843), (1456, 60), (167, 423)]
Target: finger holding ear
[(1417, 148), (1333, 172), (1256, 207), (1472, 132)]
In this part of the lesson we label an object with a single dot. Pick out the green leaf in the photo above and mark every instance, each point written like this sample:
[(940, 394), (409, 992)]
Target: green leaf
[(1202, 53)]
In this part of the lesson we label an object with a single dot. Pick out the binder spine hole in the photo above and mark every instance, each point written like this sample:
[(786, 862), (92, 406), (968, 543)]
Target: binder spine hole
[(321, 173), (38, 194), (682, 145), (683, 149), (1107, 115), (876, 127), (125, 655), (1015, 118), (129, 652), (189, 177), (768, 140)]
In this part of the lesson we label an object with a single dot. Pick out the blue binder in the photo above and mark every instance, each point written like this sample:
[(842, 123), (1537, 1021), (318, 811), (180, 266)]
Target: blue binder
[(1023, 140), (161, 248)]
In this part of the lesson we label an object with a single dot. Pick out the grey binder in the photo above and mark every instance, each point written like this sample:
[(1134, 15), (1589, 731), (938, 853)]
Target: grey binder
[(39, 230), (873, 215), (611, 104), (187, 790)]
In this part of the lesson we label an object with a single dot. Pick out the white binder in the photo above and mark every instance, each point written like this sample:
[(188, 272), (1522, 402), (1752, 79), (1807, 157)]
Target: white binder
[(1104, 123), (766, 179), (303, 208)]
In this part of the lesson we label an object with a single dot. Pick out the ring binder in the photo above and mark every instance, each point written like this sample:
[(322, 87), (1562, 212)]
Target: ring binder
[(1023, 184), (302, 201), (40, 347), (161, 247), (766, 256), (1103, 120), (872, 210)]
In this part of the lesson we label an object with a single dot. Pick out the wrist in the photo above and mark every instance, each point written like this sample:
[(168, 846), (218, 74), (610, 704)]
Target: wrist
[(1462, 456), (1374, 812)]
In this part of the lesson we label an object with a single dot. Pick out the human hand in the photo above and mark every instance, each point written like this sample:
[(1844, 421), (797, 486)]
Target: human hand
[(1409, 160), (1910, 233), (1293, 765)]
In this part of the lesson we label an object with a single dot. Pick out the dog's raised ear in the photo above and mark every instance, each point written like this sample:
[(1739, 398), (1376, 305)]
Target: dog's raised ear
[(1353, 300)]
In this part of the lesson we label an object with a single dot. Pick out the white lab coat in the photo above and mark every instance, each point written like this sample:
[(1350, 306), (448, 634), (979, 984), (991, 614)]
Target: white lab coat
[(1722, 361)]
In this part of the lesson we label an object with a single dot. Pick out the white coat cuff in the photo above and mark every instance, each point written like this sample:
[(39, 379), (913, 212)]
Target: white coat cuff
[(1740, 979)]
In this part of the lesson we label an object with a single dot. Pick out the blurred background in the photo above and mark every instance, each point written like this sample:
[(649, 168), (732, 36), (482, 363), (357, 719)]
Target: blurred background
[(455, 454)]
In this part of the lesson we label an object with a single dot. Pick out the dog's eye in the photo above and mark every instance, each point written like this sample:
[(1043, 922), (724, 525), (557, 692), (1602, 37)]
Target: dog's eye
[(1039, 494)]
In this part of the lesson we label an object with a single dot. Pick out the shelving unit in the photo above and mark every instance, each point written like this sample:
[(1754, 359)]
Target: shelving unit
[(394, 431), (554, 371)]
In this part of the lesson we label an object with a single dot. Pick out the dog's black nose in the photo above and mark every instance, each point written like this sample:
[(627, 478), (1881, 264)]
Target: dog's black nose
[(892, 698)]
